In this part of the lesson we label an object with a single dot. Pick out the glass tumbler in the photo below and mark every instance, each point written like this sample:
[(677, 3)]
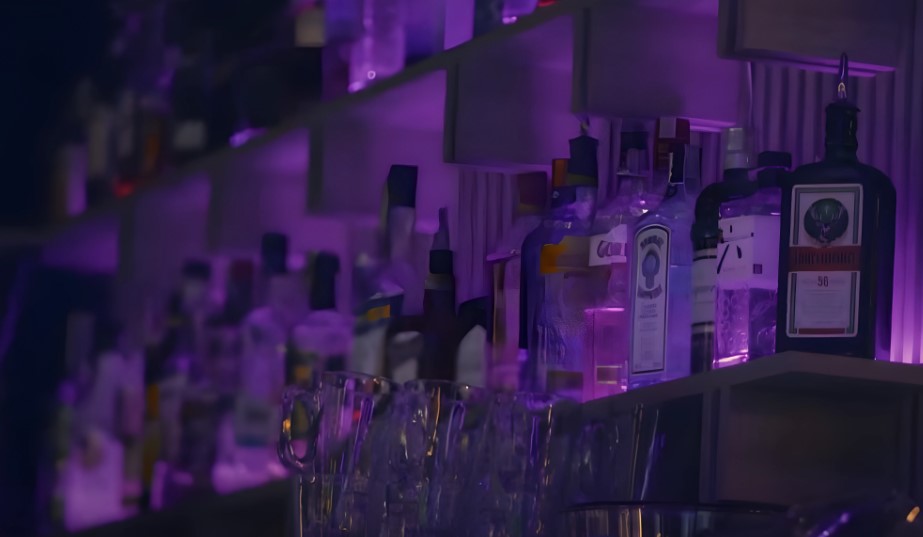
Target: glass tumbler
[(668, 520), (337, 421), (519, 485), (433, 443)]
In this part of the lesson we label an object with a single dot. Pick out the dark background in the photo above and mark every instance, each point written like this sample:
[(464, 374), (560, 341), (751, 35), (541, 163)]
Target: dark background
[(45, 45)]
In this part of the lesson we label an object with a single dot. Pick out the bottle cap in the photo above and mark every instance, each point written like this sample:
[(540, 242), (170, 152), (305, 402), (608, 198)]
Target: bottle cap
[(774, 159), (402, 186), (736, 148), (274, 253), (532, 192), (325, 268), (583, 167)]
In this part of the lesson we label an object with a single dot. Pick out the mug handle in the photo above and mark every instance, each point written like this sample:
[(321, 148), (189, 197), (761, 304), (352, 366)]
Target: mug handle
[(308, 398)]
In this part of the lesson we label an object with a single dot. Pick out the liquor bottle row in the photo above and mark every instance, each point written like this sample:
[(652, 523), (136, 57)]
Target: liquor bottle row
[(662, 280), (180, 82)]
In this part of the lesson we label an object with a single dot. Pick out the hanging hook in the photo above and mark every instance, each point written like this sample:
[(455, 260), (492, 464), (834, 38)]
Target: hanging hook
[(844, 75)]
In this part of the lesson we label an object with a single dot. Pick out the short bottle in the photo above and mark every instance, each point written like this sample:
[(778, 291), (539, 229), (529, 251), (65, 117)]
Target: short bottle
[(836, 247)]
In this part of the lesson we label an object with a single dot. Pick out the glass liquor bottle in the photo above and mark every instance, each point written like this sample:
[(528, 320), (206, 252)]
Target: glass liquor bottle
[(836, 257), (322, 340), (746, 272), (662, 270), (706, 234), (507, 352), (532, 286), (608, 336), (570, 285), (439, 323), (262, 369), (379, 51)]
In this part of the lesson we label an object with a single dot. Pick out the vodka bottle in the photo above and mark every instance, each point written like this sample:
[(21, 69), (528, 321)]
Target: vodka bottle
[(439, 323), (747, 279), (571, 286), (507, 351), (662, 270), (836, 259)]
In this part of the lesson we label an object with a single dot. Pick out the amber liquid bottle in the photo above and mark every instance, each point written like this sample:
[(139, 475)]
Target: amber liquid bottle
[(836, 256)]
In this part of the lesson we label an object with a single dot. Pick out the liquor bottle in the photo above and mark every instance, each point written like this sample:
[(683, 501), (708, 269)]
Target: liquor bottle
[(532, 285), (321, 341), (506, 353), (608, 336), (747, 279), (571, 286), (192, 46), (662, 265), (262, 371), (836, 257), (706, 234), (223, 331), (439, 323), (380, 50)]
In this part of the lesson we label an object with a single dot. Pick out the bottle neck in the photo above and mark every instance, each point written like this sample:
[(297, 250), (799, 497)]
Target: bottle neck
[(837, 151)]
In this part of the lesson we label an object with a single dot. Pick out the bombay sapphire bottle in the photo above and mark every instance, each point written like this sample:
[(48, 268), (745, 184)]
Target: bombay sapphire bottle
[(836, 257), (570, 285), (661, 310)]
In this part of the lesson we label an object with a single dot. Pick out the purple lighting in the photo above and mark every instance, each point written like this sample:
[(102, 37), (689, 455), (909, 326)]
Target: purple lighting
[(241, 137)]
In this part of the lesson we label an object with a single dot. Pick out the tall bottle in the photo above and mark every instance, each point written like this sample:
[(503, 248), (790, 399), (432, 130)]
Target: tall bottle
[(837, 247), (609, 322), (662, 264), (379, 52), (747, 278), (532, 290), (706, 234), (507, 352), (262, 371), (440, 322), (571, 286), (322, 340)]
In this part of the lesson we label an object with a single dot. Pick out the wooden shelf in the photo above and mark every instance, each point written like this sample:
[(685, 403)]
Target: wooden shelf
[(785, 429)]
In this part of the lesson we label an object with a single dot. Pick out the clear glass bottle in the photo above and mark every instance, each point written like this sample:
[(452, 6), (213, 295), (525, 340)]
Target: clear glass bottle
[(662, 267), (379, 52), (609, 336), (514, 10), (836, 263), (571, 286), (747, 279), (507, 349), (262, 370), (323, 339)]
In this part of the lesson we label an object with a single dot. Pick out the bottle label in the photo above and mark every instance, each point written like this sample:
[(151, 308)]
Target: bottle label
[(649, 315), (704, 263), (743, 259), (254, 422), (609, 248), (825, 249), (569, 255)]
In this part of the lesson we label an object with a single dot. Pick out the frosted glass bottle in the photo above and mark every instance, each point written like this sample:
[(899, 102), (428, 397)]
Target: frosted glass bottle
[(379, 52)]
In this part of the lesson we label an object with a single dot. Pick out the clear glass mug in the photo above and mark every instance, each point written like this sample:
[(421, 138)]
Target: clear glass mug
[(519, 488), (433, 443), (336, 430)]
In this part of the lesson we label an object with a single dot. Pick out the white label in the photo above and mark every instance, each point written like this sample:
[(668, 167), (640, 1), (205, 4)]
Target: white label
[(609, 248), (744, 259), (825, 249), (703, 286), (649, 314)]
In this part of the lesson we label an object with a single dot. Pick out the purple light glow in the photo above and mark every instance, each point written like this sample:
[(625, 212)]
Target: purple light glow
[(241, 137)]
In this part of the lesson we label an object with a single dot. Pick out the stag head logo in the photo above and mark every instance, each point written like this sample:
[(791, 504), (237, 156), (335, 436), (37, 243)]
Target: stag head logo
[(826, 220)]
